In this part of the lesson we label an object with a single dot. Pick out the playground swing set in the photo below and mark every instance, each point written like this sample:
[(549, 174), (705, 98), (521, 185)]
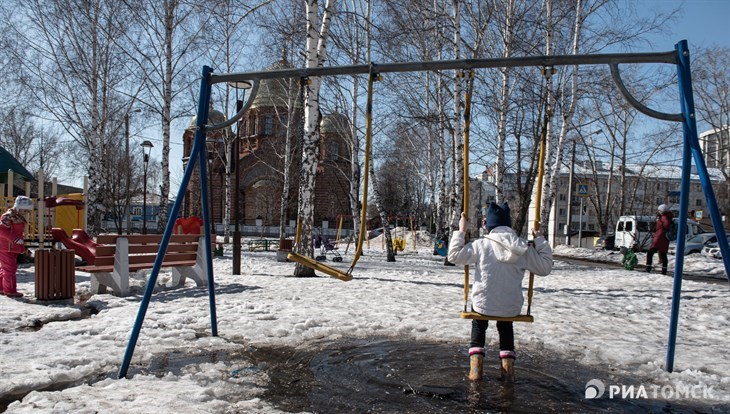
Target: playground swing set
[(691, 149), (314, 264)]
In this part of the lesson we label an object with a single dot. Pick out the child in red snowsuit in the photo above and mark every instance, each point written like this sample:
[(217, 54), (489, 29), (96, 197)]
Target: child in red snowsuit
[(12, 226)]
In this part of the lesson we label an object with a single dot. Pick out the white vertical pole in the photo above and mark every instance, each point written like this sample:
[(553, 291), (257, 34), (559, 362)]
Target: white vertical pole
[(41, 209), (11, 180), (86, 203), (54, 192)]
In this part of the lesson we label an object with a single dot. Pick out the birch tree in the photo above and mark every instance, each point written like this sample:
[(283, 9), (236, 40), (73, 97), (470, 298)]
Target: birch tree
[(163, 46), (507, 26), (568, 105), (316, 53), (73, 67), (226, 26), (457, 138), (712, 86), (354, 42)]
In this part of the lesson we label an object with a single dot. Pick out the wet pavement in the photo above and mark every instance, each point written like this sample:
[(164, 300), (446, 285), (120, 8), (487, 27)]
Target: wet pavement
[(395, 376)]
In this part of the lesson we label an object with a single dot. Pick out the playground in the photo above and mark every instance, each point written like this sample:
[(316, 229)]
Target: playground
[(393, 335), (393, 339)]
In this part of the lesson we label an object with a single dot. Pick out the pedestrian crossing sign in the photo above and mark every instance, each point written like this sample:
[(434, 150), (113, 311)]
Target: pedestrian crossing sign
[(583, 190)]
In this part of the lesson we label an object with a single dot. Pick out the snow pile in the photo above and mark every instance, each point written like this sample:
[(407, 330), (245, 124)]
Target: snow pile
[(610, 318)]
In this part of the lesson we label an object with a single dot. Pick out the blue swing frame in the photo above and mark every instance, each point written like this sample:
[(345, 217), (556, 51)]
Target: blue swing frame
[(691, 149)]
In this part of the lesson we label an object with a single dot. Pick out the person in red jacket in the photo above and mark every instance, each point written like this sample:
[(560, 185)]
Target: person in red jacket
[(660, 242), (12, 226)]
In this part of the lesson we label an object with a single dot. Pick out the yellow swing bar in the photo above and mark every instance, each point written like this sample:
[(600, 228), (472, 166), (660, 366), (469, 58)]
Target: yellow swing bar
[(536, 225), (329, 270)]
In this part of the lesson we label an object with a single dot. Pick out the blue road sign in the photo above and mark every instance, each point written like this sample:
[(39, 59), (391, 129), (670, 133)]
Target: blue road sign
[(583, 190)]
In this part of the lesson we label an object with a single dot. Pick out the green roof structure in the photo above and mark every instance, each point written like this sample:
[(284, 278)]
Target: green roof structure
[(8, 162)]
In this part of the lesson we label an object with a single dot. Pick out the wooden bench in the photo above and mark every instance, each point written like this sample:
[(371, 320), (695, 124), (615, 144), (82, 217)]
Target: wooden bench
[(119, 254)]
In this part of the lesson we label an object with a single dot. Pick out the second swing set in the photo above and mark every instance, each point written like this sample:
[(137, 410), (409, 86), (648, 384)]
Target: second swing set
[(312, 263)]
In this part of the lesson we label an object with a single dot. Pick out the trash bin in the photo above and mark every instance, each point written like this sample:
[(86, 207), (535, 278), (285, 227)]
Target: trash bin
[(285, 247), (55, 274)]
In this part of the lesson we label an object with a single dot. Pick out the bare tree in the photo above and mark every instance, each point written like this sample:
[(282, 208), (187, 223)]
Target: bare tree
[(73, 67), (282, 22), (227, 28), (712, 91), (33, 146), (316, 53), (162, 46)]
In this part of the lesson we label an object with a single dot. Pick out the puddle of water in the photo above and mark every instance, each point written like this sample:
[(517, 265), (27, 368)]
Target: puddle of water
[(387, 375)]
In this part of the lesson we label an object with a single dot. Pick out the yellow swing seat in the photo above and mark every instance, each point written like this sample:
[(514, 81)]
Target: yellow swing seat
[(310, 262), (313, 264), (479, 316)]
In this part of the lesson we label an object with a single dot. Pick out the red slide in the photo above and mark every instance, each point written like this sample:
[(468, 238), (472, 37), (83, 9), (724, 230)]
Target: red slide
[(80, 243)]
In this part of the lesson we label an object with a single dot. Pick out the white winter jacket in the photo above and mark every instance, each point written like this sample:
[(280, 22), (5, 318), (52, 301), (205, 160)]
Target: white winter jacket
[(501, 258)]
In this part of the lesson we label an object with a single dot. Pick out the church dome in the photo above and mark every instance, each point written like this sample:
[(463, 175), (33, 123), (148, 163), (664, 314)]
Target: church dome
[(276, 92), (335, 123), (214, 117)]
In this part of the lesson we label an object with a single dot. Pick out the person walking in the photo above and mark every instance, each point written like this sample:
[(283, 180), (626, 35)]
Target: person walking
[(660, 242)]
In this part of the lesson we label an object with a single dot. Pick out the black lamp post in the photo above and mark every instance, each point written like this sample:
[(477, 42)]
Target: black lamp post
[(129, 168), (146, 149), (236, 154)]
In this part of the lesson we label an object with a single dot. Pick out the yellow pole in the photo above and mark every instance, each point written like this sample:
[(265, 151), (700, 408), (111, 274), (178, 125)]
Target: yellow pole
[(538, 195), (372, 75), (339, 228), (467, 124), (413, 230), (299, 232)]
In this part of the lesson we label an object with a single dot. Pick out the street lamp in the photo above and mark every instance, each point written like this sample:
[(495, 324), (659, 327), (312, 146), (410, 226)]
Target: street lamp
[(212, 144), (146, 149), (129, 168), (236, 154)]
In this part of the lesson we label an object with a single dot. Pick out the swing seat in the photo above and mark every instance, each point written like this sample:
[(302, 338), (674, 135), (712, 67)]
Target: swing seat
[(313, 264), (518, 318)]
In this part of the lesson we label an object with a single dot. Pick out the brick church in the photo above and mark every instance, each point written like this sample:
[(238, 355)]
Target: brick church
[(262, 132)]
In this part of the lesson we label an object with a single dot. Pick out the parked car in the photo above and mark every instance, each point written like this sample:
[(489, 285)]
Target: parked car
[(695, 244), (605, 242), (713, 249)]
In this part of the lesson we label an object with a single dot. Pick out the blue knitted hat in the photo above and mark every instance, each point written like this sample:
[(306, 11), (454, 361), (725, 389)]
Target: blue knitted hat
[(498, 216)]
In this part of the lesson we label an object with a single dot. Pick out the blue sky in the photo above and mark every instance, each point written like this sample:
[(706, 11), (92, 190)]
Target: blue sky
[(702, 23)]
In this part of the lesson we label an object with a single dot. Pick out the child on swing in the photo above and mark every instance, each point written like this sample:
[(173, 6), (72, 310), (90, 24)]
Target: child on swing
[(501, 258)]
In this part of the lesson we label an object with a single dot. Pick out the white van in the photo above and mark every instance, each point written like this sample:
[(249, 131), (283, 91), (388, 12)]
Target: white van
[(638, 230)]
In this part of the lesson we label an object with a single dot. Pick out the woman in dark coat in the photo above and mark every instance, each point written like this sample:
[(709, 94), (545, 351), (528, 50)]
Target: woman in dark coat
[(660, 242)]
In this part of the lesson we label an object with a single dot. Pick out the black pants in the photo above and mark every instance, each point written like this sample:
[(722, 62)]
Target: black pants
[(479, 334), (662, 258)]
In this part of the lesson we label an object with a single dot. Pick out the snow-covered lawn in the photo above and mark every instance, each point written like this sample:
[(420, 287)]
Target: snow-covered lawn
[(611, 319)]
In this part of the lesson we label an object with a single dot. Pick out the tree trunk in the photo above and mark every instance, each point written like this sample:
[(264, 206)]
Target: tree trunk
[(169, 7), (316, 54), (382, 213)]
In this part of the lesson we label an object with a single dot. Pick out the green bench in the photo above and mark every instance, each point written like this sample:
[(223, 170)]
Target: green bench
[(261, 244)]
